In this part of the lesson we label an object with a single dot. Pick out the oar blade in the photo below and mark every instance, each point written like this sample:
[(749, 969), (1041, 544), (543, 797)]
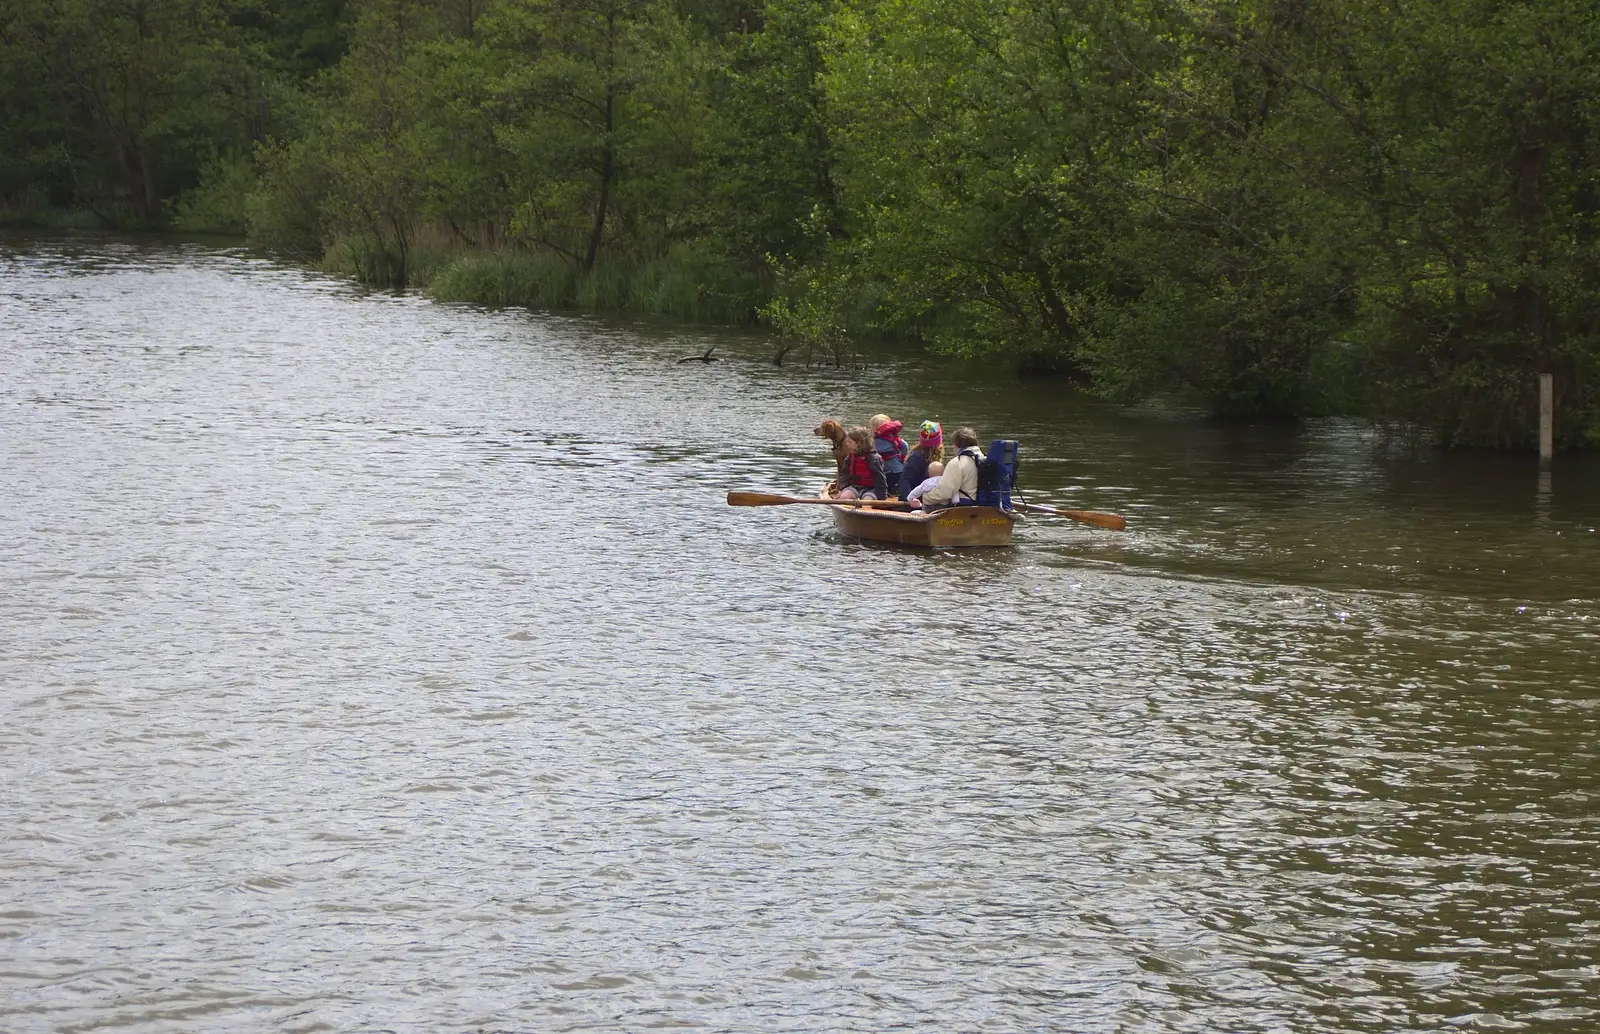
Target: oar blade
[(1110, 521)]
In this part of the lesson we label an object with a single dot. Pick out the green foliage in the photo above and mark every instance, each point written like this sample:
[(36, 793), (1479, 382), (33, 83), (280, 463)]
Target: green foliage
[(684, 284), (770, 141), (811, 316), (1276, 209), (34, 166), (979, 160), (284, 213), (1484, 270), (145, 93), (600, 118), (219, 202), (1271, 208), (303, 37)]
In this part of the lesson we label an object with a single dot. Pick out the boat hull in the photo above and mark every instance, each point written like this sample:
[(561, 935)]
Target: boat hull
[(953, 528)]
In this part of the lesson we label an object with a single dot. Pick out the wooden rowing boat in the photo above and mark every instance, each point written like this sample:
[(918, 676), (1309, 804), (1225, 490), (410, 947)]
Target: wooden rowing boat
[(950, 528)]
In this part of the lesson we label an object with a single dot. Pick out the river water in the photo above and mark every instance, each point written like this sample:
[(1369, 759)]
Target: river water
[(374, 665)]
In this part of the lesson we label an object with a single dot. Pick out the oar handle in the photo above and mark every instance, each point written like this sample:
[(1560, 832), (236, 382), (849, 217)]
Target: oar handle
[(767, 499)]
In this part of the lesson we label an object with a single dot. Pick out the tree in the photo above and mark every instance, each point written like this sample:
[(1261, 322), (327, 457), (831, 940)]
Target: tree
[(1486, 199), (150, 88), (598, 115), (988, 155), (772, 158)]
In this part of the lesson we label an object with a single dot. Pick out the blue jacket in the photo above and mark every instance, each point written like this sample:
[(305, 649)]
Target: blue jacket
[(916, 472), (893, 451)]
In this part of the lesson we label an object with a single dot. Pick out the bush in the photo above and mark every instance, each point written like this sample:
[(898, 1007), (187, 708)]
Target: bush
[(376, 260), (684, 283), (220, 202), (284, 212)]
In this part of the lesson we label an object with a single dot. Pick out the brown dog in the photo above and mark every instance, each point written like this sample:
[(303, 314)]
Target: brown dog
[(834, 432)]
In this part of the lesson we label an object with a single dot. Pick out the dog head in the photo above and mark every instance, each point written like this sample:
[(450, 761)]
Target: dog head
[(831, 430)]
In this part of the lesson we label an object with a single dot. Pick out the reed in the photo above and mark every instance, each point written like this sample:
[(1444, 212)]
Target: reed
[(683, 283), (44, 217), (378, 260)]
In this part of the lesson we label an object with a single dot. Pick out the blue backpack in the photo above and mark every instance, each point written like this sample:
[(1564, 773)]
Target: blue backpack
[(997, 474)]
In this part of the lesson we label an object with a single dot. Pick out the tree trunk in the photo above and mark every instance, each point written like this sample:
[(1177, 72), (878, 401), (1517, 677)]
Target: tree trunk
[(135, 166), (151, 202), (607, 172), (402, 247)]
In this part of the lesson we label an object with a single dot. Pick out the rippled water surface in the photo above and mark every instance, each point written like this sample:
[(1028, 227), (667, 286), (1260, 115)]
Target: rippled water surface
[(368, 664)]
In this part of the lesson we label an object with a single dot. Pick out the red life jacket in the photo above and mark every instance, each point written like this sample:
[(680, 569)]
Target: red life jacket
[(886, 439), (856, 473)]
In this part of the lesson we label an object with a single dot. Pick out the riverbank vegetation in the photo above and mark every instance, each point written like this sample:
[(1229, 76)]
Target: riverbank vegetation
[(1275, 207)]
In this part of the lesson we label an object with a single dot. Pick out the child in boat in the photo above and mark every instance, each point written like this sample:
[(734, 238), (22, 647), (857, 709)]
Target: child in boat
[(861, 474), (958, 485), (934, 470), (929, 450), (891, 448)]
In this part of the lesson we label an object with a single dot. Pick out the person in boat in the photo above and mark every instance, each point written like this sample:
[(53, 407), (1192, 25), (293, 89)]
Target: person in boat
[(958, 485), (861, 474), (919, 465), (934, 470), (891, 449)]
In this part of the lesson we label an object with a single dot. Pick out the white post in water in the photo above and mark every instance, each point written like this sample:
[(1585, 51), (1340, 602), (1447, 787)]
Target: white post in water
[(1547, 412)]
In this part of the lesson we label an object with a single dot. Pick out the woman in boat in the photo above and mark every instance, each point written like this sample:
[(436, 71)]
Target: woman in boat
[(861, 472), (891, 449), (929, 450), (958, 485)]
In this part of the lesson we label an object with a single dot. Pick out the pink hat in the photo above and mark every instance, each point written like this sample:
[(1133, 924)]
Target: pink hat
[(930, 435)]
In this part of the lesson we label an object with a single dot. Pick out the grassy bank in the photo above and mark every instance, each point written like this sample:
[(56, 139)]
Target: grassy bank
[(44, 217), (683, 283)]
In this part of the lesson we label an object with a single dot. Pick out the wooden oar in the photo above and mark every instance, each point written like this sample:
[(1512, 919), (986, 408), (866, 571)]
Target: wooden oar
[(763, 499), (1099, 520)]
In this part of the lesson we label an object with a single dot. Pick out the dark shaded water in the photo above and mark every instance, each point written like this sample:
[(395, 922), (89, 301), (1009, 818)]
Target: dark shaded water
[(367, 664)]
